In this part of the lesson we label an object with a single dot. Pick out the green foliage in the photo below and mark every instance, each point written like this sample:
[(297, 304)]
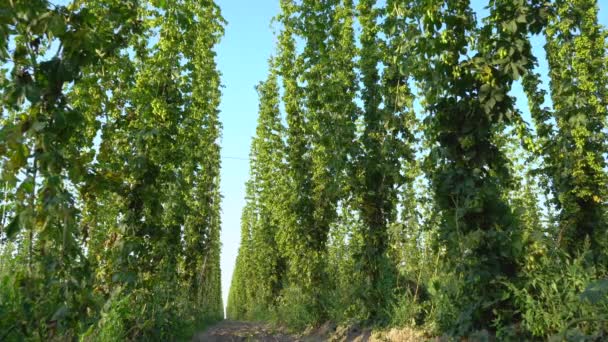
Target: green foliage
[(466, 167), (295, 309), (393, 180), (260, 268), (346, 295), (110, 169), (384, 148), (561, 296), (407, 187), (575, 149)]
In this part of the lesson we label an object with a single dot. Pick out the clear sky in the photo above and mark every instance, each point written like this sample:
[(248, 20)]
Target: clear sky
[(242, 59)]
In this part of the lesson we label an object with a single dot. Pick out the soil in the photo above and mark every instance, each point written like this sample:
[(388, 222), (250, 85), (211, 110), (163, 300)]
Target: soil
[(229, 331)]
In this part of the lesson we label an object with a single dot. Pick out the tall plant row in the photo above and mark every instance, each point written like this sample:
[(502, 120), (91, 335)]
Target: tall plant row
[(396, 180), (110, 169)]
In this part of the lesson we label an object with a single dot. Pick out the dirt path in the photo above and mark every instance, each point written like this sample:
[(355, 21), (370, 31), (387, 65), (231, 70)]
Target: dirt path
[(229, 331)]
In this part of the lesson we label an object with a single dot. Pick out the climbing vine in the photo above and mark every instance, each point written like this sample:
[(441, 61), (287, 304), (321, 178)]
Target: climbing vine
[(110, 167), (415, 189)]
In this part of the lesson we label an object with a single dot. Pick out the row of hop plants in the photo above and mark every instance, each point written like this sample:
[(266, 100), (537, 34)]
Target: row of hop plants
[(109, 169), (396, 181)]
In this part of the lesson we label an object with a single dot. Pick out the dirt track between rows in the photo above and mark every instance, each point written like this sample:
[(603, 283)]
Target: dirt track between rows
[(230, 331)]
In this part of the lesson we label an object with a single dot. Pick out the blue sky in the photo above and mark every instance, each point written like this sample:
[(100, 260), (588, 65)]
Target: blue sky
[(242, 59)]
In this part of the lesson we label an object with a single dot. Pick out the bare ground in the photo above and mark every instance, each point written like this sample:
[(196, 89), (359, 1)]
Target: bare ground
[(230, 331)]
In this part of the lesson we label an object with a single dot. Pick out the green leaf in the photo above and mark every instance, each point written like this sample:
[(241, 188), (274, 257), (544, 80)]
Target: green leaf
[(521, 19), (19, 158), (12, 228), (484, 90), (57, 26), (162, 4), (596, 292), (32, 93), (37, 126)]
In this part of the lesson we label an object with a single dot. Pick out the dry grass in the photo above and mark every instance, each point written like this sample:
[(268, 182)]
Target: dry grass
[(398, 335), (356, 334)]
